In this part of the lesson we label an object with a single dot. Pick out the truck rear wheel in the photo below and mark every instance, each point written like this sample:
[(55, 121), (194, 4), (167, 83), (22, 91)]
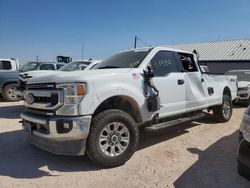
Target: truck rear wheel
[(113, 138), (224, 111), (9, 93)]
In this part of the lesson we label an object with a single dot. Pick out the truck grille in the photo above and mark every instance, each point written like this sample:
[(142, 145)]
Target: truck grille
[(44, 98)]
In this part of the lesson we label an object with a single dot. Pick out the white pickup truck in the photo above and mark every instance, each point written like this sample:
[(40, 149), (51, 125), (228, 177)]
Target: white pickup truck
[(9, 64), (99, 112)]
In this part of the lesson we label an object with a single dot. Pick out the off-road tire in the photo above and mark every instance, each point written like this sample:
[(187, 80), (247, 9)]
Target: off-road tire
[(101, 120), (8, 94), (226, 106), (243, 171)]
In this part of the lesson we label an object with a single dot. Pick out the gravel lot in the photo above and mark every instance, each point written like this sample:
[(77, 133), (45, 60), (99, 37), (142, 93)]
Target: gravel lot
[(198, 154)]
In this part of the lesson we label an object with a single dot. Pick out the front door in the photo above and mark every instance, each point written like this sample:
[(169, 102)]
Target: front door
[(170, 82)]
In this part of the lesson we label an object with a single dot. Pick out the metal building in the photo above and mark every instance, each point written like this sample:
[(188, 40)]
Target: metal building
[(221, 56)]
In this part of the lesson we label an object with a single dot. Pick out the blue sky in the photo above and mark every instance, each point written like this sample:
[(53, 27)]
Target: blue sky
[(51, 27)]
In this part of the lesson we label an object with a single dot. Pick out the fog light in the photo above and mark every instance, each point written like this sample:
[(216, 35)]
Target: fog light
[(64, 126)]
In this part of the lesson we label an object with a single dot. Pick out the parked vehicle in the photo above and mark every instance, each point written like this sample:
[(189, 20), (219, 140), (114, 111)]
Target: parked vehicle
[(9, 64), (244, 146), (9, 79), (99, 112), (8, 84), (41, 66), (243, 85), (73, 66)]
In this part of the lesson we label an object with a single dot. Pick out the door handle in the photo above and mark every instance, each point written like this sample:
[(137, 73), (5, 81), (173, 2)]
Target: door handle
[(180, 82)]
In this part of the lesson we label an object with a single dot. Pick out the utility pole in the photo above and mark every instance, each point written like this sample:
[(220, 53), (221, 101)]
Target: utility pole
[(135, 42), (82, 50)]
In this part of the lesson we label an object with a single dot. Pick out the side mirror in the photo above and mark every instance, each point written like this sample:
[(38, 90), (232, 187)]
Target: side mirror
[(149, 73)]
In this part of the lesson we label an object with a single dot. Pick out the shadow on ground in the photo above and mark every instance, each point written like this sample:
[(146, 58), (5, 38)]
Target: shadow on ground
[(19, 159), (216, 167), (11, 112), (148, 139)]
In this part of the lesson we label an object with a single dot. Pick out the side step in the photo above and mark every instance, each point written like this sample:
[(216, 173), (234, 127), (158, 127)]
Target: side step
[(159, 126)]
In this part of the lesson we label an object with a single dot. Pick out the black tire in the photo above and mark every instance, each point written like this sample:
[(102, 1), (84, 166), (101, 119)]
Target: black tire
[(98, 125), (224, 111), (243, 171), (9, 93)]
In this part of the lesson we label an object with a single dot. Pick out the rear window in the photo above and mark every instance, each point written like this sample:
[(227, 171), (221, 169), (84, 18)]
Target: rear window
[(5, 65)]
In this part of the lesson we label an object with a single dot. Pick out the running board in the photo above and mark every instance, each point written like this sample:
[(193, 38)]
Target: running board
[(163, 125)]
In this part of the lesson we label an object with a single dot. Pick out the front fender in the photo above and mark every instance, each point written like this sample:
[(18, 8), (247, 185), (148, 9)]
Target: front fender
[(98, 93)]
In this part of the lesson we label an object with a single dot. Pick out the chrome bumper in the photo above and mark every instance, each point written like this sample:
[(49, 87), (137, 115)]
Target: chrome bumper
[(57, 134)]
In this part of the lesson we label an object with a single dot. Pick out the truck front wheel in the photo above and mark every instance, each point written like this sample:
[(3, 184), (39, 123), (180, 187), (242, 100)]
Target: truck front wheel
[(9, 93), (113, 138), (224, 111)]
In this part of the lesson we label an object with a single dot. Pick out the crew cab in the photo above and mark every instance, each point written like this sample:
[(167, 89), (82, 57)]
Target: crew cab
[(99, 112)]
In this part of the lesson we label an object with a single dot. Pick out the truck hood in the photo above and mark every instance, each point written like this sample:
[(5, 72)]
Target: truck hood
[(242, 84), (78, 76)]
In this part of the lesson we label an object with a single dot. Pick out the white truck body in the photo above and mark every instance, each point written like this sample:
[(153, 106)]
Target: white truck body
[(180, 92), (9, 64), (243, 77)]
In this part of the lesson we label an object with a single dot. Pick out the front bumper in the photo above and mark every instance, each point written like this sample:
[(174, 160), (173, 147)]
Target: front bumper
[(243, 96), (244, 159), (57, 134)]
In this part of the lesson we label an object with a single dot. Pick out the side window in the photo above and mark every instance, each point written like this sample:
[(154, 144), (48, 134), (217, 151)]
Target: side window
[(6, 65), (58, 66), (187, 62), (163, 63), (47, 67)]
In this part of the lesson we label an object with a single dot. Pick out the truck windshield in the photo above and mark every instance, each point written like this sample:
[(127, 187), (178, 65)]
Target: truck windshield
[(128, 59), (241, 75), (29, 66), (74, 66)]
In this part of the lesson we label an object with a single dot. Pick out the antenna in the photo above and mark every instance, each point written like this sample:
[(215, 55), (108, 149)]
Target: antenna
[(135, 42), (82, 50), (137, 38)]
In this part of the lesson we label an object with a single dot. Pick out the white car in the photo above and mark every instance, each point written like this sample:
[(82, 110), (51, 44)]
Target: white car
[(243, 77), (73, 66), (99, 112)]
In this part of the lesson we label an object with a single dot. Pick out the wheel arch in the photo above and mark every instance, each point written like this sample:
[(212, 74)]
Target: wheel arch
[(121, 102), (8, 83), (227, 91)]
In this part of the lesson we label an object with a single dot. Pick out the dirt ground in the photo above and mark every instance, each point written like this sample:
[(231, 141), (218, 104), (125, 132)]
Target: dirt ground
[(198, 154)]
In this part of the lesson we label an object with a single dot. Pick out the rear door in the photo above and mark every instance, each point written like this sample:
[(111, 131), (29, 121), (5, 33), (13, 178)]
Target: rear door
[(195, 87), (169, 81)]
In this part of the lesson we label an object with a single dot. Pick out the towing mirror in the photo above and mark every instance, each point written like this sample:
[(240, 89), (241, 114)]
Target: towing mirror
[(149, 72)]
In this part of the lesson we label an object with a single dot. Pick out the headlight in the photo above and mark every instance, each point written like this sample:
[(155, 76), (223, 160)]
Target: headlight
[(73, 92), (245, 125)]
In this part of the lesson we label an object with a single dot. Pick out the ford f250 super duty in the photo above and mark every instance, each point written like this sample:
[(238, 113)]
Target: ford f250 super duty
[(99, 112)]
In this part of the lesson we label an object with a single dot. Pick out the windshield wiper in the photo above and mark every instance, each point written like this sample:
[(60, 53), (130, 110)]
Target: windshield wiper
[(108, 67)]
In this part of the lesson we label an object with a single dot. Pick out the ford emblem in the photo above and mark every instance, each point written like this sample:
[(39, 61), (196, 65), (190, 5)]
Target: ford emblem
[(29, 98)]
